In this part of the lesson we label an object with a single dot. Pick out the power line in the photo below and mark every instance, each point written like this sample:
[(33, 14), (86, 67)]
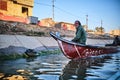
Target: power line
[(63, 11), (43, 4)]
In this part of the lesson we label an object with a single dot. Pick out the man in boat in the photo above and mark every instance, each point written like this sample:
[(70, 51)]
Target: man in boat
[(116, 41), (80, 33)]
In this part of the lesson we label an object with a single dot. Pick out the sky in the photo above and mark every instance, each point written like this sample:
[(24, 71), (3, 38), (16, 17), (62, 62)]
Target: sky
[(70, 10)]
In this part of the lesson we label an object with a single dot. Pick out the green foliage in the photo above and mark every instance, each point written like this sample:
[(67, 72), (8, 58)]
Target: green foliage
[(11, 56), (57, 51), (99, 29), (17, 56)]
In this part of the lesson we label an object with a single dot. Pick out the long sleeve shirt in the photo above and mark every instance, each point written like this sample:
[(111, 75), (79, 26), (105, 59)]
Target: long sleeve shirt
[(80, 35)]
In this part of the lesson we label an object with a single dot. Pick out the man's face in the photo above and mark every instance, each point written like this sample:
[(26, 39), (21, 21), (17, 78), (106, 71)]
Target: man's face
[(76, 24)]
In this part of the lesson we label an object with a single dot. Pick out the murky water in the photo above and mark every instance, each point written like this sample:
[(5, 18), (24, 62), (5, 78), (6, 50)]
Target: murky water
[(57, 67)]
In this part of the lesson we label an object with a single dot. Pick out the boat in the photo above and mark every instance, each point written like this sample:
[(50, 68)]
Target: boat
[(74, 50)]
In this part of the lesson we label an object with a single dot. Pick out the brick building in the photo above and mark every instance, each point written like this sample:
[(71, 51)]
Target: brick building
[(13, 10)]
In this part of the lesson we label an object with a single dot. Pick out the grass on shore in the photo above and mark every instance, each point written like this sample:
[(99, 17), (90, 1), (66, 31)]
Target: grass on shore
[(56, 51), (17, 56)]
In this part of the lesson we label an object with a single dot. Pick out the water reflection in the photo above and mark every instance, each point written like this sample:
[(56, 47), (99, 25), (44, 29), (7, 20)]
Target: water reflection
[(58, 67), (97, 68), (30, 59)]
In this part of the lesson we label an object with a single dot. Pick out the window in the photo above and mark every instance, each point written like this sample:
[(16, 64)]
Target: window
[(24, 9), (3, 5)]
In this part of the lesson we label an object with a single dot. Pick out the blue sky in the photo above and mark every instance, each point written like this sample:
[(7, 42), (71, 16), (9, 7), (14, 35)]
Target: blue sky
[(70, 10)]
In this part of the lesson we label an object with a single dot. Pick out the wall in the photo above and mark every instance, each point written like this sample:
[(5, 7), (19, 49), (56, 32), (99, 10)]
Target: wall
[(48, 22), (65, 26), (114, 32), (35, 42), (31, 42), (15, 9)]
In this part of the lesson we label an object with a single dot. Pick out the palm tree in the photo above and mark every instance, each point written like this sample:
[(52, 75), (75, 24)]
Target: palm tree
[(99, 29)]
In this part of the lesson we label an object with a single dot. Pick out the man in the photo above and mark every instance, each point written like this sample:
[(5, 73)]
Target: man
[(116, 41), (80, 33)]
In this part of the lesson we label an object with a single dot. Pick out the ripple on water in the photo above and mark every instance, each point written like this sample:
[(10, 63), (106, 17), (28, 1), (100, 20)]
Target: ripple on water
[(47, 77), (57, 67)]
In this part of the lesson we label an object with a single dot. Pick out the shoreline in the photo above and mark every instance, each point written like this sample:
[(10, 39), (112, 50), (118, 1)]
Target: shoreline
[(18, 44)]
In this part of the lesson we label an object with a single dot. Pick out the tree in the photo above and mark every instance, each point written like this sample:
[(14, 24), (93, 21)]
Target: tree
[(102, 29), (99, 29)]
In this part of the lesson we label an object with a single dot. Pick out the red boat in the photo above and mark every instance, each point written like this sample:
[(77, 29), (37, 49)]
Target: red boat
[(73, 50)]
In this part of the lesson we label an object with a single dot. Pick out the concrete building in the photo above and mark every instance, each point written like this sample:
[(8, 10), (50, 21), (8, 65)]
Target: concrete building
[(115, 32), (65, 26), (68, 26), (21, 8), (48, 22), (15, 10)]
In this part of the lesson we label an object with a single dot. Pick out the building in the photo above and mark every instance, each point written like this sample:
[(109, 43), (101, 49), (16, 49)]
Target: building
[(65, 26), (48, 22), (115, 32), (13, 10), (22, 8), (68, 26)]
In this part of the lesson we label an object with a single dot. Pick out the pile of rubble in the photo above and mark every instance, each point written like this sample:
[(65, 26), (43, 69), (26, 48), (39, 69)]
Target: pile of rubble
[(30, 29)]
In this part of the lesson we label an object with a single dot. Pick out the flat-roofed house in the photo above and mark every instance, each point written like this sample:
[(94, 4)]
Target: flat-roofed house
[(13, 10)]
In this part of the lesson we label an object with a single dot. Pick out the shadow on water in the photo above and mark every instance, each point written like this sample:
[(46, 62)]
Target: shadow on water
[(95, 68), (57, 67)]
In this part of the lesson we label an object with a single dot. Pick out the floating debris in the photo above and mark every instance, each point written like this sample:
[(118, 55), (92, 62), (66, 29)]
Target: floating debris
[(16, 77), (31, 53), (24, 72), (1, 75)]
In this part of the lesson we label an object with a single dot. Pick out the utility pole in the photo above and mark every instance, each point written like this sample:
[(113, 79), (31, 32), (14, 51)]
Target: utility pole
[(86, 22), (101, 26), (53, 9), (101, 23)]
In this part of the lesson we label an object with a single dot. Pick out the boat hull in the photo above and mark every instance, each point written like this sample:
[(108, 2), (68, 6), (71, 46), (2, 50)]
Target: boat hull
[(72, 50)]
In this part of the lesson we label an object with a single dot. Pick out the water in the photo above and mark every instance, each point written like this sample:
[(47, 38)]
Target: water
[(58, 67)]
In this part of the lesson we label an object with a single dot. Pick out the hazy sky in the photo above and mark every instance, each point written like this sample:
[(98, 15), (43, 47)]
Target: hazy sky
[(70, 10)]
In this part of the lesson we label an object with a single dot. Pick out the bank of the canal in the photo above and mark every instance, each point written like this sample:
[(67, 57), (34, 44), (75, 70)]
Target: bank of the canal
[(15, 46)]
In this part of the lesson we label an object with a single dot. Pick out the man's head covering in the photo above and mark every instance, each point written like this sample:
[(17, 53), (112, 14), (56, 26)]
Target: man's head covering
[(78, 22)]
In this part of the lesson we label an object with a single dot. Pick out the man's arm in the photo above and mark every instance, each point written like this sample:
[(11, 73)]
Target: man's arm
[(78, 35)]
